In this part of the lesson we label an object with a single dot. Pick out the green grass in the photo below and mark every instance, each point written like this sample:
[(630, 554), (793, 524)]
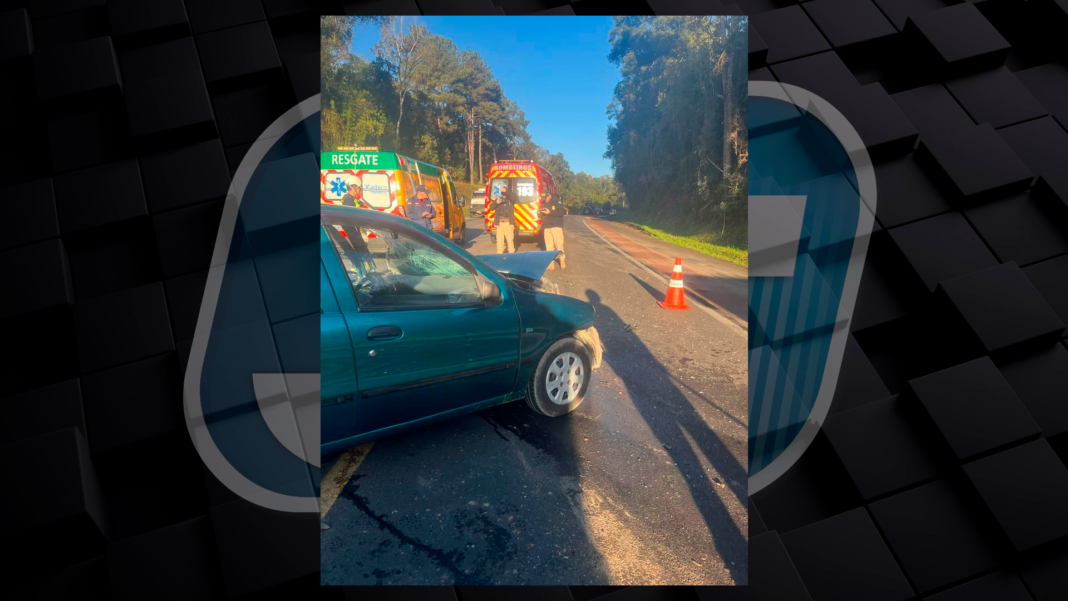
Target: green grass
[(732, 246)]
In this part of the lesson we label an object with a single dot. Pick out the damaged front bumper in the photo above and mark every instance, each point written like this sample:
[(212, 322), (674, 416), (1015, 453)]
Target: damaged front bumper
[(592, 341)]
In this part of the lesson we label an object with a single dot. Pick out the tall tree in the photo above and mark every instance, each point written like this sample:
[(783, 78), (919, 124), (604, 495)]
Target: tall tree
[(491, 112), (678, 115), (405, 50), (473, 85), (335, 33), (508, 127)]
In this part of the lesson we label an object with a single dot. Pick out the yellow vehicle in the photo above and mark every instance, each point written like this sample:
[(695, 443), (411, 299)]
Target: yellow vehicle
[(386, 181)]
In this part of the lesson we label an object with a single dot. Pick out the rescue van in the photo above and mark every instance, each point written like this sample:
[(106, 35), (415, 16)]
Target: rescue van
[(528, 183), (386, 181)]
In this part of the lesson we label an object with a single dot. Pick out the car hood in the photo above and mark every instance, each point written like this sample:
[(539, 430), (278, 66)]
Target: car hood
[(526, 264)]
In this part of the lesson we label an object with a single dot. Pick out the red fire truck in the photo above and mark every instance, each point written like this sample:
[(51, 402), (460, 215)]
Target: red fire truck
[(527, 182)]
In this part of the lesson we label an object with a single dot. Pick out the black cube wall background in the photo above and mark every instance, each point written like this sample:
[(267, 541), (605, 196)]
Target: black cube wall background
[(944, 450), (155, 106)]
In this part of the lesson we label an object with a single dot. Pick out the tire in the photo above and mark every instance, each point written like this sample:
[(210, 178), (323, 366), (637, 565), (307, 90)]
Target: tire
[(461, 241), (554, 402)]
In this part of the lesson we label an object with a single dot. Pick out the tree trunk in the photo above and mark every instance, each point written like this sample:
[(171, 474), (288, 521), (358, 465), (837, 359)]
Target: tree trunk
[(480, 180), (728, 116), (400, 114), (471, 146)]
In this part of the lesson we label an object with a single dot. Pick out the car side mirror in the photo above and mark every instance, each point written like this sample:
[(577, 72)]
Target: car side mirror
[(490, 292)]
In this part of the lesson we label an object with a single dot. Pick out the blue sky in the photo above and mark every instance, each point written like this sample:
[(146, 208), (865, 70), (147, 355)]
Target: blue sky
[(555, 68)]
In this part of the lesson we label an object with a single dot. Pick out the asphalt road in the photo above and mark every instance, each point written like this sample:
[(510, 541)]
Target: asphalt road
[(644, 484)]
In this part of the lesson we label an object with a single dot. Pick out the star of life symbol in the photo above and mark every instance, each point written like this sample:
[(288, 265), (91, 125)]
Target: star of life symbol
[(338, 187)]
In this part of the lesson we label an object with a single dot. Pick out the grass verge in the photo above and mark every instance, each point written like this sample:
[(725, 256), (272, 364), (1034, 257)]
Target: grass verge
[(732, 246)]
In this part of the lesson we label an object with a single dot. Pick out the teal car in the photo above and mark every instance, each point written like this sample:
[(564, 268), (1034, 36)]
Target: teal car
[(415, 330)]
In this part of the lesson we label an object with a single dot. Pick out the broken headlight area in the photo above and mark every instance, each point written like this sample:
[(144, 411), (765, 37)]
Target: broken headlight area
[(539, 285)]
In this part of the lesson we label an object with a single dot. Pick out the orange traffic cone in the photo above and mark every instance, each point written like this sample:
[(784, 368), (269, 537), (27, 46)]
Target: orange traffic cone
[(676, 295)]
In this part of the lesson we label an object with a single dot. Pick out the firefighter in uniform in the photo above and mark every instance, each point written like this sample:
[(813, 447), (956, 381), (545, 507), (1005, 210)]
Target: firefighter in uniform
[(420, 209), (552, 221), (504, 221)]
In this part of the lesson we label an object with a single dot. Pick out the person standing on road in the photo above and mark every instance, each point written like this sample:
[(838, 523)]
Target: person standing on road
[(504, 221), (420, 209), (552, 221)]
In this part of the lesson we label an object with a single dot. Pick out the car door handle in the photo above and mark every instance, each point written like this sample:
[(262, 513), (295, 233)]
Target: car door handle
[(384, 333)]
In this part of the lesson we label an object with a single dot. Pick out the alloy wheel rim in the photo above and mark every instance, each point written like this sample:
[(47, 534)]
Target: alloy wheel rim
[(564, 378)]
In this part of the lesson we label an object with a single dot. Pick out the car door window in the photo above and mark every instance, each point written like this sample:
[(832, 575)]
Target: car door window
[(391, 270), (434, 188), (452, 193), (411, 179)]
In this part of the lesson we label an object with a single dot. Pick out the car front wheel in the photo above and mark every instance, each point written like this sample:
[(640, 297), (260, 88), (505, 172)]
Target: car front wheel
[(559, 383)]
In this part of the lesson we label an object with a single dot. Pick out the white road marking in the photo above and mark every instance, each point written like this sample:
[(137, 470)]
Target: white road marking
[(705, 305)]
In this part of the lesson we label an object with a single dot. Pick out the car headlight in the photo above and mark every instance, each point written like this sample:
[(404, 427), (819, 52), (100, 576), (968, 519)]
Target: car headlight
[(547, 285)]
